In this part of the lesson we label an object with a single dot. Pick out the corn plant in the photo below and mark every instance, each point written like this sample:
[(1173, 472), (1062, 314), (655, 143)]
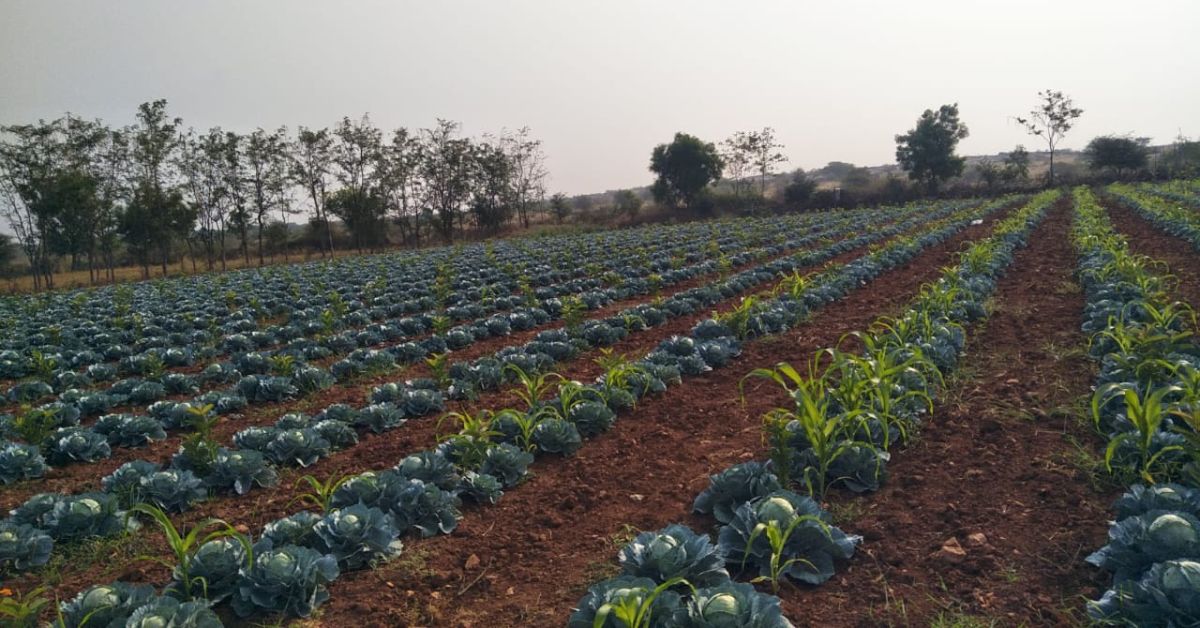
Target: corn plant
[(43, 365), (439, 368), (440, 324), (21, 610), (778, 537), (183, 546), (282, 364), (573, 312), (34, 425), (1147, 415), (532, 386), (321, 492), (472, 437), (883, 381), (829, 434), (199, 447), (739, 317), (618, 368), (633, 611)]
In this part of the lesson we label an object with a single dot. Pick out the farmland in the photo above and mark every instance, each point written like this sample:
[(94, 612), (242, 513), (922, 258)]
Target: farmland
[(949, 411)]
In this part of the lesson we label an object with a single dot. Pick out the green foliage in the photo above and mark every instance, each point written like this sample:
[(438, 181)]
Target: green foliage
[(684, 168), (926, 152), (183, 546)]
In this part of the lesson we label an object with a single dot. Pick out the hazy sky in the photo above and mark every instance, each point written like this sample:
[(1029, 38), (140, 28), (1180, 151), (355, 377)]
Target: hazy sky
[(602, 82)]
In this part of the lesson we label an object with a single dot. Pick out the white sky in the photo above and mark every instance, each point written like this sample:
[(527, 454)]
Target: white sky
[(601, 82)]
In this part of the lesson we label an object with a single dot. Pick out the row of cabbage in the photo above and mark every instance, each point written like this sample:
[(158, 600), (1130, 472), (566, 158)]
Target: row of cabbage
[(56, 425), (1147, 406), (461, 288), (1186, 192), (199, 317), (1169, 215), (364, 516), (202, 467), (261, 378), (849, 409)]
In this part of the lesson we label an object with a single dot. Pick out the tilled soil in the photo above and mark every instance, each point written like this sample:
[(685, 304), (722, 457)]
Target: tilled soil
[(1002, 477), (527, 560)]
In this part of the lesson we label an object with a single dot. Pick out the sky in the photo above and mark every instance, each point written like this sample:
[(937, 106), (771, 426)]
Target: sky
[(602, 82)]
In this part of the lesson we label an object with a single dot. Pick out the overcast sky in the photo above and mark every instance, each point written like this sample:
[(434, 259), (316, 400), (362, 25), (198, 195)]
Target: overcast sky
[(601, 82)]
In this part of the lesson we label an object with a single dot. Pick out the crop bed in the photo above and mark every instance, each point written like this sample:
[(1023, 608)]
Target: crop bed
[(594, 429)]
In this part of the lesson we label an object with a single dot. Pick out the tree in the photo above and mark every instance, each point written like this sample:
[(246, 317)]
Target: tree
[(560, 207), (1120, 155), (357, 157), (491, 196), (926, 152), (401, 183), (311, 169), (990, 173), (736, 153), (797, 192), (526, 171), (156, 137), (626, 203), (684, 167), (766, 155), (363, 214), (1051, 120), (1016, 165), (267, 168), (448, 171)]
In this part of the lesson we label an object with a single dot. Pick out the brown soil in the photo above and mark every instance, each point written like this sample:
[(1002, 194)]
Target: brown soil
[(1144, 238), (1006, 457), (529, 558)]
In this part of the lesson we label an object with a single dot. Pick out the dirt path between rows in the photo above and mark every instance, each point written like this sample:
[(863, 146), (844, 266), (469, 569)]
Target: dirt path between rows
[(527, 560)]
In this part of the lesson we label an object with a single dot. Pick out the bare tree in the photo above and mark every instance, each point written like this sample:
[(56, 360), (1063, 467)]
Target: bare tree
[(766, 154), (1051, 120), (401, 183), (738, 153), (526, 171)]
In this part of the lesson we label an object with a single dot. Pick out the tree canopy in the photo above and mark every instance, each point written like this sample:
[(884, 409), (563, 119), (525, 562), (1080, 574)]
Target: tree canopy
[(684, 168), (926, 152)]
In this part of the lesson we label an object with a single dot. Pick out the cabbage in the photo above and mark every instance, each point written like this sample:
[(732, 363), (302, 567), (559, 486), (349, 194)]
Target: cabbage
[(294, 529), (422, 507), (168, 612), (299, 447), (481, 487), (421, 402), (1142, 499), (173, 490), (358, 535), (74, 444), (23, 547), (126, 481), (256, 438), (288, 580), (104, 605), (123, 430), (73, 517), (1168, 594), (508, 463), (379, 417), (430, 467), (625, 591), (591, 418), (339, 434), (733, 604), (309, 379), (214, 569), (240, 470), (731, 488), (1135, 543), (674, 552), (556, 436), (20, 462), (293, 421), (813, 543)]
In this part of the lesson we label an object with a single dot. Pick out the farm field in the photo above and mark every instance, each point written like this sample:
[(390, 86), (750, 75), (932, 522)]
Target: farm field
[(958, 413)]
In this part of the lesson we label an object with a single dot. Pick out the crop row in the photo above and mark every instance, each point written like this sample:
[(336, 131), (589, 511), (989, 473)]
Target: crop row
[(850, 408), (1171, 217), (1147, 407), (409, 335), (463, 286), (420, 493), (75, 444)]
